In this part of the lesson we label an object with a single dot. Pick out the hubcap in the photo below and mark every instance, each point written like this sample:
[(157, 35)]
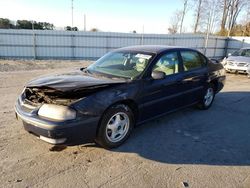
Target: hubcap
[(117, 127), (209, 96)]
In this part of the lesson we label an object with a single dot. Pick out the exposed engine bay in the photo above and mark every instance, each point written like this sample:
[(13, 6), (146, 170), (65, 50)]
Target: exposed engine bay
[(41, 95)]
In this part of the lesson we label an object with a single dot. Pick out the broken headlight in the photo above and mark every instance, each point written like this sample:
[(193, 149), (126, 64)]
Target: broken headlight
[(57, 112)]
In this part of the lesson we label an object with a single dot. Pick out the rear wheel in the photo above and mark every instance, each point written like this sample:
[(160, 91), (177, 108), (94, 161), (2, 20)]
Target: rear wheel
[(208, 98), (115, 126)]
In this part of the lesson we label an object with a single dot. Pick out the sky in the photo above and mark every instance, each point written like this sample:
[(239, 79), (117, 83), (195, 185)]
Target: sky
[(106, 15)]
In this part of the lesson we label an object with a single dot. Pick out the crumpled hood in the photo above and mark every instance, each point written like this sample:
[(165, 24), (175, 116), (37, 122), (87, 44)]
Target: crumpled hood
[(71, 81), (239, 59)]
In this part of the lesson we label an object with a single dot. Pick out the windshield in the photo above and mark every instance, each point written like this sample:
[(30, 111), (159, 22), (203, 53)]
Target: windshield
[(121, 64), (242, 52)]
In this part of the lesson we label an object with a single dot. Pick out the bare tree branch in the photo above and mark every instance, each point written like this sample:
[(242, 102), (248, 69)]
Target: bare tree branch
[(175, 22), (235, 8), (184, 11), (198, 9)]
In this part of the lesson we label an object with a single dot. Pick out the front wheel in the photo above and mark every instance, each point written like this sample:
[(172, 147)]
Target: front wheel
[(208, 98), (115, 126)]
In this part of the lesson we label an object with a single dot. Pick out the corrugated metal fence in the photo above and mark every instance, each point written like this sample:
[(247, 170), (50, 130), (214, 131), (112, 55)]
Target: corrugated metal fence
[(235, 43), (41, 44)]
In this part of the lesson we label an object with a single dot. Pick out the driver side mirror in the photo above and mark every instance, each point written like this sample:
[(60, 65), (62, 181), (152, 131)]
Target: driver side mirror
[(157, 75)]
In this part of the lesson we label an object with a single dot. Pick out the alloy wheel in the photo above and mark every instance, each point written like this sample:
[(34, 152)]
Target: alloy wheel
[(117, 127), (208, 98)]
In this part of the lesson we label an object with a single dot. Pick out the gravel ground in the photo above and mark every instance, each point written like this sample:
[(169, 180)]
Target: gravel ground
[(21, 65), (189, 148)]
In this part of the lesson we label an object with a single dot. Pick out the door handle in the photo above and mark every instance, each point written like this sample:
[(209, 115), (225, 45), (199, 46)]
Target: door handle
[(195, 78), (188, 79)]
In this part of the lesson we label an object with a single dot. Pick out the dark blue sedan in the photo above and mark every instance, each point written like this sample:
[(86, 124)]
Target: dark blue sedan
[(126, 87)]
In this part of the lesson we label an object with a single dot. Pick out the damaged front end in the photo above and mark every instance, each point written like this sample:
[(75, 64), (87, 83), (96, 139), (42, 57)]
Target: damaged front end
[(48, 106), (44, 95), (50, 114)]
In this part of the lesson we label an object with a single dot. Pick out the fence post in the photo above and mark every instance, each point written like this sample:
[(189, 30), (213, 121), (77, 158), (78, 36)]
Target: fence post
[(173, 41), (226, 46), (142, 39), (107, 43), (73, 46), (215, 47), (242, 44), (206, 43), (34, 44)]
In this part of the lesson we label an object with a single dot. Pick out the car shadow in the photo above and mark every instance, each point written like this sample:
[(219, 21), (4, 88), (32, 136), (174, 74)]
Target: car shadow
[(218, 136)]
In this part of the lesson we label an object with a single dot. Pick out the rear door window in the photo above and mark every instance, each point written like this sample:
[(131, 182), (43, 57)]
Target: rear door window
[(192, 60)]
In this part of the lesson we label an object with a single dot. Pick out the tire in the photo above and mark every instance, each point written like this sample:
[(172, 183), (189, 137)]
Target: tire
[(208, 98), (115, 127)]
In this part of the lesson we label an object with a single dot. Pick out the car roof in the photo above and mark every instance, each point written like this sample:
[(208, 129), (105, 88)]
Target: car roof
[(246, 48), (151, 48)]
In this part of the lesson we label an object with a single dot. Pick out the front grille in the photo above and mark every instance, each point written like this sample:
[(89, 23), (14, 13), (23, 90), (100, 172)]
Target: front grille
[(242, 64)]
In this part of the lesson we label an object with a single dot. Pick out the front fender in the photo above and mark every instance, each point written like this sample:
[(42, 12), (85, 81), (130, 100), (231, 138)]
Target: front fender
[(97, 103)]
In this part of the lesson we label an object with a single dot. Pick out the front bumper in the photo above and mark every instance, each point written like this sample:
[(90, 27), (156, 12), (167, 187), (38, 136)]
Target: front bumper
[(235, 68), (54, 132)]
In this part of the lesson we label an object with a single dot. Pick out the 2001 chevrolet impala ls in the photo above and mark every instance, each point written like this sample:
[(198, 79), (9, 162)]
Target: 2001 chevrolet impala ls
[(126, 87)]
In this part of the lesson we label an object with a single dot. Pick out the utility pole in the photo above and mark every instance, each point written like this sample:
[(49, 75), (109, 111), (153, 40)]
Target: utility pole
[(72, 13), (84, 22)]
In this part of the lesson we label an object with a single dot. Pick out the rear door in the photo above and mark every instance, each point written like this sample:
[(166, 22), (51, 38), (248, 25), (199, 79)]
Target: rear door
[(194, 76), (164, 95)]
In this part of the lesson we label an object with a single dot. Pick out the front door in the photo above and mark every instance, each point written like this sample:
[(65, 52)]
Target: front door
[(163, 95)]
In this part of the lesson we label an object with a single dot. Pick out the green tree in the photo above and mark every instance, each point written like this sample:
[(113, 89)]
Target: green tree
[(6, 24), (74, 29), (23, 24), (68, 28), (48, 26), (38, 25)]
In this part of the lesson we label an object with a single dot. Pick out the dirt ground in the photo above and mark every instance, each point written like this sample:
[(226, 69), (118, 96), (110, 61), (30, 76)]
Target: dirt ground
[(189, 148)]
